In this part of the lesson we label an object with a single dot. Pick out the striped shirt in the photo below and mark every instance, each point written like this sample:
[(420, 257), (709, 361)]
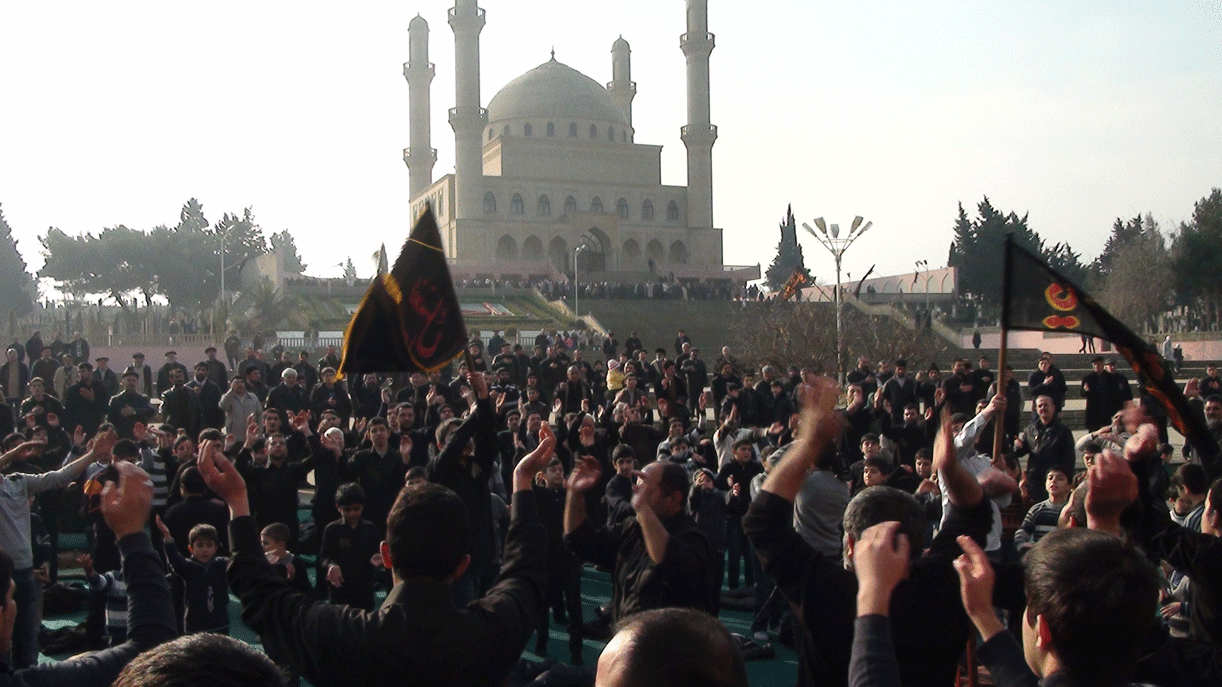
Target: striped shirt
[(155, 465), (1040, 520), (112, 585)]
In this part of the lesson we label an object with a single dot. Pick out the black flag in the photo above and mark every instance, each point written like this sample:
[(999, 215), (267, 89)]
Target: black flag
[(1035, 297), (409, 320)]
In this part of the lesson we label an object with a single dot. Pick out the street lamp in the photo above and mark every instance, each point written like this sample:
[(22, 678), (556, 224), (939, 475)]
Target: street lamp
[(836, 245), (576, 252), (925, 264)]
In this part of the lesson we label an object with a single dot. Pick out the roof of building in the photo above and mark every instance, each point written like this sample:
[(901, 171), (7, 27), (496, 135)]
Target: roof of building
[(554, 90)]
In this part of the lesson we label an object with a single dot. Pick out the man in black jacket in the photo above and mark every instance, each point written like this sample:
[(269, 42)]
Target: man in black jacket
[(418, 636), (660, 555), (931, 629)]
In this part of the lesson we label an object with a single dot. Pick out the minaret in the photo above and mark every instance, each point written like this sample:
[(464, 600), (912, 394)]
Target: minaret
[(418, 71), (622, 87), (467, 117), (699, 134)]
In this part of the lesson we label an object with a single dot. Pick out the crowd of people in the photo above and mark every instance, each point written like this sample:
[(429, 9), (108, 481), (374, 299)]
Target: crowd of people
[(873, 526)]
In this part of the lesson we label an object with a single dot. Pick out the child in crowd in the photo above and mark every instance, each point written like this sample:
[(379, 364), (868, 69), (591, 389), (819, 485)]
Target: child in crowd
[(350, 551), (416, 476), (291, 567), (110, 585), (564, 568), (1043, 516), (203, 576)]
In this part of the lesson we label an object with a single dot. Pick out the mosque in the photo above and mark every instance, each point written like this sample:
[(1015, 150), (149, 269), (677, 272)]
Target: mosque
[(550, 175)]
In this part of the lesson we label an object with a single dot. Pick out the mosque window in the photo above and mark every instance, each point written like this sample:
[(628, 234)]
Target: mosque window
[(572, 129), (506, 131), (490, 134), (611, 134), (593, 131), (489, 203), (621, 208), (647, 210), (545, 206), (526, 129), (672, 211), (596, 205), (570, 203), (551, 129), (516, 207)]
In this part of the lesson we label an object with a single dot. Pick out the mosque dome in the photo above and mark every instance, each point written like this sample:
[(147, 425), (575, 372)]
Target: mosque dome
[(555, 91)]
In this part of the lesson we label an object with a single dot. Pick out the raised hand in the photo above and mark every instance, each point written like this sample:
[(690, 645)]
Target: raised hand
[(220, 475), (537, 460), (125, 506), (335, 577), (165, 531), (584, 476), (880, 559), (1113, 486), (976, 587), (139, 431)]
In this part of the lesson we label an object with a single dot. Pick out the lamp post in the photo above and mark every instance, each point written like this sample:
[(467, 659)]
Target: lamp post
[(576, 310), (837, 246), (925, 264)]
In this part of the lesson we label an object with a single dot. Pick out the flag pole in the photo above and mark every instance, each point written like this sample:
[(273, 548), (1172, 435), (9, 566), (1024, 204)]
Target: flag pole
[(999, 423)]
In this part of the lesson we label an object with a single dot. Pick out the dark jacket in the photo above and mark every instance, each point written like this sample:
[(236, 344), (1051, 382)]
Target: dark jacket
[(417, 637), (685, 577)]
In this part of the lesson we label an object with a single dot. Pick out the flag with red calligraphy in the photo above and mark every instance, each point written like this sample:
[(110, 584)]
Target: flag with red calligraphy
[(796, 281), (1036, 297), (409, 319)]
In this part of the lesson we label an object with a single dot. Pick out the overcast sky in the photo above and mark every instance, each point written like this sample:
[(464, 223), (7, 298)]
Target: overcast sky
[(1074, 112)]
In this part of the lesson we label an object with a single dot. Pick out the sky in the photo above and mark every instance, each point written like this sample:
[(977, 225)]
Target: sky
[(1074, 113)]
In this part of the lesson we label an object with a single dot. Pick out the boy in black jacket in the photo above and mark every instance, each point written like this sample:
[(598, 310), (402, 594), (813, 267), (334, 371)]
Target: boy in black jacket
[(349, 552), (203, 575)]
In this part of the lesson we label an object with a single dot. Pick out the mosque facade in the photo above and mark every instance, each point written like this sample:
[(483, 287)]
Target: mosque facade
[(549, 175)]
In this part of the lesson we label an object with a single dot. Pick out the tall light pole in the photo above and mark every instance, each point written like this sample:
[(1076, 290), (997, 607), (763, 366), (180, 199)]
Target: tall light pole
[(925, 264), (836, 245), (576, 252)]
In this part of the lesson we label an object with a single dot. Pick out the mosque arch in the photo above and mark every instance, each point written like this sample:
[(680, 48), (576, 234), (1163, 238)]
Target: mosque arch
[(506, 248), (655, 251), (545, 206), (647, 209), (570, 204), (532, 248), (621, 208), (489, 203), (630, 254), (516, 206), (678, 253), (596, 205), (558, 253)]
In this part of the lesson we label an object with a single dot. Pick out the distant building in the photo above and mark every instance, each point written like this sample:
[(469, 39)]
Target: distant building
[(552, 164)]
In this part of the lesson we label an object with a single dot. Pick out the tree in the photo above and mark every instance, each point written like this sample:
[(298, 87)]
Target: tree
[(978, 249), (282, 241), (349, 271), (116, 262), (1134, 273), (1196, 254), (788, 254), (17, 289)]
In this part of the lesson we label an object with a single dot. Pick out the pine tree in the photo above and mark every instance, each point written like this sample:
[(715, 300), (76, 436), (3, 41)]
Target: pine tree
[(17, 288), (788, 254), (283, 241)]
